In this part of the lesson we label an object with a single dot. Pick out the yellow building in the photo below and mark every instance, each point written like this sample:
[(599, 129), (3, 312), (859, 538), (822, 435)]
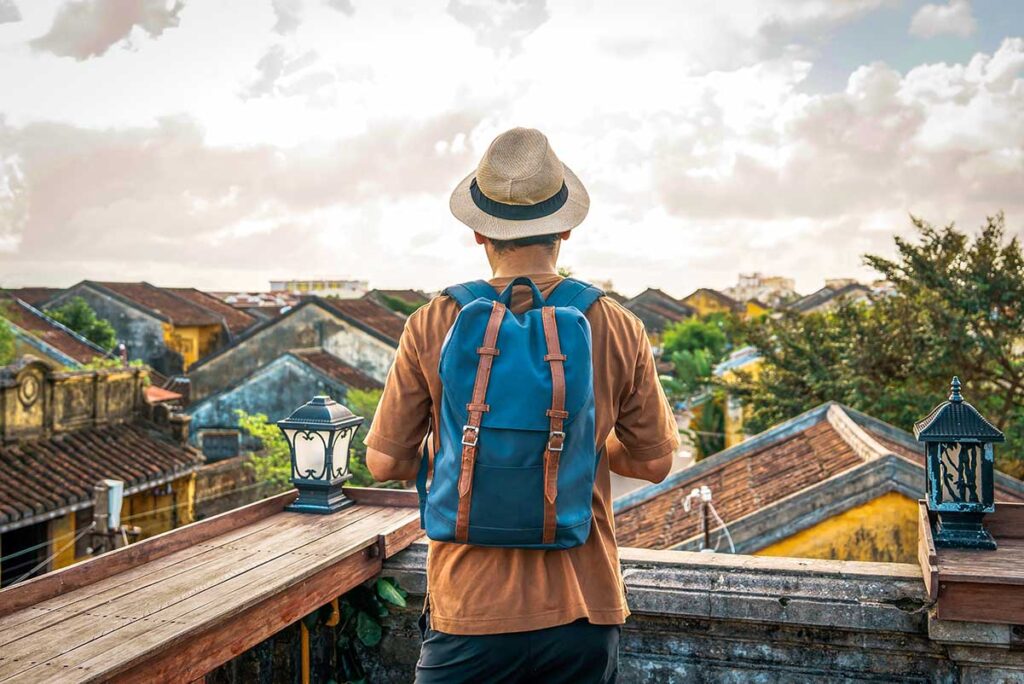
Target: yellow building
[(747, 361), (63, 433), (706, 301), (832, 483)]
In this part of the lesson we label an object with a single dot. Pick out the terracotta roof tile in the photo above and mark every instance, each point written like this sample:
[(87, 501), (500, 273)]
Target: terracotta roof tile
[(162, 302), (740, 486), (236, 320), (369, 314), (333, 367), (36, 296), (46, 474)]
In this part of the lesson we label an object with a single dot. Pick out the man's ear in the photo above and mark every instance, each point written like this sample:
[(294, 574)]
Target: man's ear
[(480, 239), (565, 236)]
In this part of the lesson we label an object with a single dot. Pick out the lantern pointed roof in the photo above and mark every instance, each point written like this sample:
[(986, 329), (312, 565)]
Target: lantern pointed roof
[(956, 420)]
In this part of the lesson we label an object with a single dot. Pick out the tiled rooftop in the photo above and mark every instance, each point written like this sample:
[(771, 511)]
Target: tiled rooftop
[(237, 321), (163, 303), (333, 367), (31, 320), (378, 319)]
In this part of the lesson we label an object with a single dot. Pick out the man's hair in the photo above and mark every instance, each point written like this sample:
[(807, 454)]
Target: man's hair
[(505, 245)]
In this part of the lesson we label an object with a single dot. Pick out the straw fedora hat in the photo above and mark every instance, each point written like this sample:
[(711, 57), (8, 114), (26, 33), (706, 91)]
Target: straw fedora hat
[(520, 189)]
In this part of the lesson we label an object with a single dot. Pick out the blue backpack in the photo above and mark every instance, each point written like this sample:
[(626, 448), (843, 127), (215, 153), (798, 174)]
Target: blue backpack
[(518, 453)]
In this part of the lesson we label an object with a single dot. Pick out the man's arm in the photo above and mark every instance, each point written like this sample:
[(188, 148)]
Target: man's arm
[(384, 467), (646, 437), (403, 415), (654, 470)]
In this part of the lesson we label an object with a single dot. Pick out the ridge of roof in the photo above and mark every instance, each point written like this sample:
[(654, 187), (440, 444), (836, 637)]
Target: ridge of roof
[(769, 437), (129, 294)]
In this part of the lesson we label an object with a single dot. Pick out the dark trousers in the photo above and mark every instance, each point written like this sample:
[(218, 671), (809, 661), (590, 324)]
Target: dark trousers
[(578, 652)]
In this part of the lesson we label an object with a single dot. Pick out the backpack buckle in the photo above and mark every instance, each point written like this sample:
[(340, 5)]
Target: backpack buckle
[(474, 431), (552, 436)]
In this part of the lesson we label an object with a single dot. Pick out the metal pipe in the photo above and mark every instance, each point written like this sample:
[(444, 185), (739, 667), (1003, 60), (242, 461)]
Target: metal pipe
[(305, 652)]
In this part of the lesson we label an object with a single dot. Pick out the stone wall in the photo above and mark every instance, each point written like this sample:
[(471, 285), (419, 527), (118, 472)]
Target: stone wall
[(307, 326), (724, 618), (37, 400), (274, 390)]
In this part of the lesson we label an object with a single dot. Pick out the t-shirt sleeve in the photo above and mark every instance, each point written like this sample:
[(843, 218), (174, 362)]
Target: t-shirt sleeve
[(646, 426), (403, 415)]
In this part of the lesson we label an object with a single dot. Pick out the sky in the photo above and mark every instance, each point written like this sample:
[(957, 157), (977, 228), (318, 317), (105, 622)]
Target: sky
[(224, 144)]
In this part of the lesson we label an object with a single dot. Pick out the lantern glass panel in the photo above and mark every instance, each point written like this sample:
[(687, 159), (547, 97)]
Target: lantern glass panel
[(960, 469), (310, 453), (341, 451)]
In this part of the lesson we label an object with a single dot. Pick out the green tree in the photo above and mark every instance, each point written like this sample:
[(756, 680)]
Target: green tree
[(6, 343), (272, 464), (399, 305), (955, 309), (77, 315), (362, 403)]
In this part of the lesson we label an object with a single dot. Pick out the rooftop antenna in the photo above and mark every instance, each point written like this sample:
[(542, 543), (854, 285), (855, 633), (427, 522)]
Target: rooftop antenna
[(702, 494)]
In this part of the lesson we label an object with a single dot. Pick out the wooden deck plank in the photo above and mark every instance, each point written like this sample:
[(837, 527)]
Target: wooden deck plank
[(139, 600), (136, 576), (1005, 565), (231, 595), (207, 559), (52, 584)]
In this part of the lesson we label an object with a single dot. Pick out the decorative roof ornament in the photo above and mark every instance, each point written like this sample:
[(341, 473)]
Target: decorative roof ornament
[(956, 420)]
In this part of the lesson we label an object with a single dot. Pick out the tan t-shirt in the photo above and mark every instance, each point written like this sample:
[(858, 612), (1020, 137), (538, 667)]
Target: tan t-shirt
[(484, 590)]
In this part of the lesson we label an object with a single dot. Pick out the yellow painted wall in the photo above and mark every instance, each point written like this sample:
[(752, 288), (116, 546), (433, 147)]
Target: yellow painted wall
[(192, 342), (882, 530), (754, 310), (62, 548), (704, 303), (736, 415), (159, 510)]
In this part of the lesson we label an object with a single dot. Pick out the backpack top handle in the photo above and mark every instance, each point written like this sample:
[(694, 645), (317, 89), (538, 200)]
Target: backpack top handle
[(506, 295)]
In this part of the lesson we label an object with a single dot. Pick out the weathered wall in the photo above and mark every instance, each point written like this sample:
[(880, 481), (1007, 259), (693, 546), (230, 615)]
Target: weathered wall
[(41, 401), (141, 333), (274, 390), (225, 485), (884, 529), (307, 326), (723, 618), (162, 508)]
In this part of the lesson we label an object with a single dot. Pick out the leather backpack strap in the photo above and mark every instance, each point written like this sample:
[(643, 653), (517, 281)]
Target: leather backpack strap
[(574, 293), (464, 293), (556, 415), (475, 412)]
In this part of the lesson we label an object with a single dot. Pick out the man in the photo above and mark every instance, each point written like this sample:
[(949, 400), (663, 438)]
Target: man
[(511, 614)]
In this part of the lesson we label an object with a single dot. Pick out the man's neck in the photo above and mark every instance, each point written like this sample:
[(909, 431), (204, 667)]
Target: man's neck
[(525, 261)]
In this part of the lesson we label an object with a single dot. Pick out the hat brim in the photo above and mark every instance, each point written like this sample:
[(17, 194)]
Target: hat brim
[(570, 215)]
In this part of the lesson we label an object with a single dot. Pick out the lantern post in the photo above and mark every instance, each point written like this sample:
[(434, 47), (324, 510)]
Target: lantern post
[(960, 470), (319, 434)]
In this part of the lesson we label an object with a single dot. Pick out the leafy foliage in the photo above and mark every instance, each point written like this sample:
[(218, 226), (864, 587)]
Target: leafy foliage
[(362, 403), (361, 611), (273, 463), (955, 309), (6, 343), (77, 315), (400, 305)]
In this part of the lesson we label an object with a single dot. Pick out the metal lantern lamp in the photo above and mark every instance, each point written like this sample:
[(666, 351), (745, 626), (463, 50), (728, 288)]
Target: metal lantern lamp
[(960, 468), (319, 434)]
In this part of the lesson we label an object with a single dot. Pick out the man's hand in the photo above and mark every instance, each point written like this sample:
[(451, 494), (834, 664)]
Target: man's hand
[(619, 461), (384, 467)]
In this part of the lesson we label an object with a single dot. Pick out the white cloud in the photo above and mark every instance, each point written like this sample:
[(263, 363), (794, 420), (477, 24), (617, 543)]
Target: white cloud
[(88, 28), (9, 12), (953, 19), (331, 143)]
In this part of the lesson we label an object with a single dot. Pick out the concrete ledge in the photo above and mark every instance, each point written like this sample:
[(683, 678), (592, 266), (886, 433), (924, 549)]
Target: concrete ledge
[(731, 618)]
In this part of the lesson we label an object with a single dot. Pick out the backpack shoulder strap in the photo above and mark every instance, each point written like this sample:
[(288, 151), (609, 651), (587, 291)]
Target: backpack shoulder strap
[(464, 293), (574, 293)]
